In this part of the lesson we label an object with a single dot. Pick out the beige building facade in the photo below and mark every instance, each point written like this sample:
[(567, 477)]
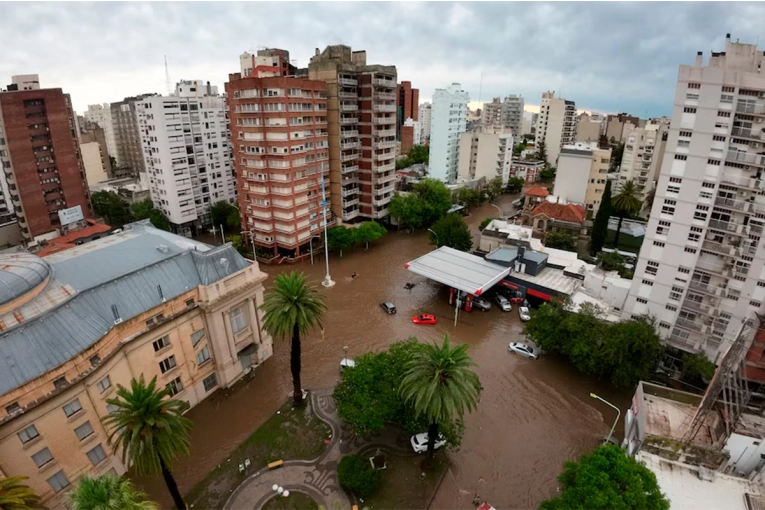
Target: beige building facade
[(487, 155), (589, 128), (582, 175), (165, 307), (643, 153), (556, 125)]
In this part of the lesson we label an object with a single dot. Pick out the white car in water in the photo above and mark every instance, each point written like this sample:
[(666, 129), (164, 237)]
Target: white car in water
[(523, 349), (503, 303), (420, 442), (523, 312)]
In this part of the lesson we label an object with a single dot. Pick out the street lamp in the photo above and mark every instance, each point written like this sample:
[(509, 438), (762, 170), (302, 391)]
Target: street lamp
[(618, 415), (501, 214), (310, 243), (327, 279), (251, 233), (437, 243)]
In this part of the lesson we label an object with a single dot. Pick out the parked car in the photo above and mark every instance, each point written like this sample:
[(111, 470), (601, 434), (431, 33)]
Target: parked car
[(425, 318), (347, 363), (503, 303), (523, 311), (389, 307), (420, 442), (523, 349), (481, 304)]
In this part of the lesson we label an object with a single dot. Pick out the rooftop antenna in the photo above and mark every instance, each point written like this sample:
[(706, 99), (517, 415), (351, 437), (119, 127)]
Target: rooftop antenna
[(167, 77), (480, 89)]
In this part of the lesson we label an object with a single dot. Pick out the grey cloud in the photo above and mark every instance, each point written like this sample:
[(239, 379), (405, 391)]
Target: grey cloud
[(605, 56)]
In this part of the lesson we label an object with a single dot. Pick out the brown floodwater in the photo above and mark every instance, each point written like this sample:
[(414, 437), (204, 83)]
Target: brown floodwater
[(533, 415)]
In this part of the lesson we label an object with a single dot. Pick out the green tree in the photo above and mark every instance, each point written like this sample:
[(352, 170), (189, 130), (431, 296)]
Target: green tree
[(234, 221), (494, 188), (340, 238), (518, 148), (600, 225), (607, 478), (436, 197), (237, 242), (626, 202), (408, 210), (485, 223), (150, 430), (698, 366), (452, 231), (419, 154), (402, 163), (542, 152), (107, 492), (560, 241), (113, 162), (649, 198), (547, 174), (368, 232), (440, 384), (515, 184), (357, 475), (145, 210), (292, 307), (110, 207), (16, 496), (226, 215), (616, 158), (468, 197), (630, 351)]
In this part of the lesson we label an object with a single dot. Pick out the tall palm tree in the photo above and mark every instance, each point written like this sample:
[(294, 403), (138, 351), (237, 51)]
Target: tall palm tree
[(16, 496), (291, 307), (626, 202), (108, 492), (440, 383), (649, 198), (150, 430)]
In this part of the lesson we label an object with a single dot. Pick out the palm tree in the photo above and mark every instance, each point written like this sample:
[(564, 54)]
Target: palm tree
[(16, 496), (293, 308), (108, 492), (150, 430), (649, 198), (626, 202), (440, 383)]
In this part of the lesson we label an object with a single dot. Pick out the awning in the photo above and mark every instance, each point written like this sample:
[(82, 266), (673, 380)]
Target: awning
[(458, 269)]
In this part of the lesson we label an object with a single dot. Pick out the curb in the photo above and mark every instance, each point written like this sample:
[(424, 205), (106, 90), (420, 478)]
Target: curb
[(438, 486)]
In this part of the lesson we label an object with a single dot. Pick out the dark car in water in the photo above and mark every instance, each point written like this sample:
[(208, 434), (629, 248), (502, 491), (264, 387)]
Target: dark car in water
[(389, 307)]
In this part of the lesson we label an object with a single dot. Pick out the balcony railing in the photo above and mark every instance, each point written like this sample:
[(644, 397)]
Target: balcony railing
[(350, 145), (385, 132), (349, 191), (346, 169), (718, 248), (349, 133), (345, 107), (750, 109), (385, 107), (726, 226), (384, 168), (350, 202), (380, 82), (385, 156), (386, 178), (385, 120), (347, 95), (689, 324), (348, 82), (349, 120), (349, 157), (384, 190), (731, 203), (387, 96), (743, 157), (746, 133), (349, 215), (744, 182), (390, 144), (714, 267)]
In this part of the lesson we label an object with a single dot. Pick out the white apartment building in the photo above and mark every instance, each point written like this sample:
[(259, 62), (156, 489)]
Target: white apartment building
[(701, 271), (556, 125), (582, 175), (102, 115), (448, 121), (423, 117), (185, 145), (485, 155), (643, 154), (512, 114)]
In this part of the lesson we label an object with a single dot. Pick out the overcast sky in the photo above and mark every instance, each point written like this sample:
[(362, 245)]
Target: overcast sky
[(607, 57)]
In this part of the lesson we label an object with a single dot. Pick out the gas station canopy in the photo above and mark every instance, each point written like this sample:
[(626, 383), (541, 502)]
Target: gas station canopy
[(457, 269)]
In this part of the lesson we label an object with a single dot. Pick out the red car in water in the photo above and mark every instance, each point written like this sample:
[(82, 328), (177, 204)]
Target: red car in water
[(425, 318)]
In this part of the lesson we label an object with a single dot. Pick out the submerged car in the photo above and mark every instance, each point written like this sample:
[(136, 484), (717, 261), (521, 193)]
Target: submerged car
[(420, 442), (523, 312), (481, 304), (503, 303), (523, 349), (425, 318), (389, 307)]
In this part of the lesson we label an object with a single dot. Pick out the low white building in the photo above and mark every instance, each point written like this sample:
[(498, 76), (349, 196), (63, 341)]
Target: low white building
[(582, 174)]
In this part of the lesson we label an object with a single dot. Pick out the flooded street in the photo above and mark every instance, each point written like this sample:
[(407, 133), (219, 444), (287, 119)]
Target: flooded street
[(533, 415)]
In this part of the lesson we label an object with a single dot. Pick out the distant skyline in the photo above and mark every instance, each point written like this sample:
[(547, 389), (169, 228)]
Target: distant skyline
[(608, 57)]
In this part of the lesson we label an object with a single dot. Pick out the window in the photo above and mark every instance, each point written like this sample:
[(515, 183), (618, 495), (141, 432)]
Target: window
[(694, 237), (715, 162), (42, 457), (671, 308), (238, 319), (652, 267), (761, 284), (83, 431), (167, 363), (641, 300), (705, 194), (685, 270), (60, 382), (718, 138), (97, 455), (648, 282), (681, 157), (673, 189), (694, 85), (58, 482), (190, 302), (28, 434), (676, 180), (729, 89), (689, 110), (690, 250), (723, 114), (72, 407), (175, 386), (203, 356), (104, 384), (94, 360), (700, 214), (12, 408), (755, 303), (664, 325), (659, 244), (663, 228), (161, 343), (110, 408), (686, 133), (196, 336), (210, 382)]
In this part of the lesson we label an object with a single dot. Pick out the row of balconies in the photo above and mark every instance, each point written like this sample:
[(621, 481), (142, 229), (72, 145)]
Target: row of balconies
[(349, 133), (744, 157)]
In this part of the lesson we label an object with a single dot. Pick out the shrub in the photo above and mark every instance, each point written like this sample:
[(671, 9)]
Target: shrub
[(485, 223), (358, 476)]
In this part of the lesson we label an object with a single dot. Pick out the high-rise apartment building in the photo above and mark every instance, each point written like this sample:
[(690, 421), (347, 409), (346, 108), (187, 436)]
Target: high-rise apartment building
[(556, 125), (424, 114), (486, 155), (643, 154), (43, 172), (185, 146), (700, 271), (491, 115), (269, 61), (281, 154), (619, 126), (582, 175), (589, 128), (448, 121), (95, 155), (512, 114), (127, 137), (102, 115), (407, 104), (361, 115)]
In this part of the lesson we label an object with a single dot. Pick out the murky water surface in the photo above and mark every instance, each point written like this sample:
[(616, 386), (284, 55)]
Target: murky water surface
[(533, 415)]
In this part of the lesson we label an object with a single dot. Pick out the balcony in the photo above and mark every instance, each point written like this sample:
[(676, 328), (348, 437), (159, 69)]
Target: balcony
[(382, 82), (382, 213), (388, 144), (746, 133), (383, 133), (385, 96), (349, 191), (347, 82), (746, 249), (386, 178), (382, 201), (347, 95), (718, 268), (346, 107), (722, 249), (349, 215), (385, 120), (349, 120), (384, 168), (729, 203), (350, 145), (688, 324), (346, 169), (743, 182), (349, 133), (750, 109), (385, 108), (350, 202), (725, 226), (347, 181), (349, 157), (743, 157), (755, 229), (384, 190)]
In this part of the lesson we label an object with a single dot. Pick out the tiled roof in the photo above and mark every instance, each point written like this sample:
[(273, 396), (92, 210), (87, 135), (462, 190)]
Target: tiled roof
[(68, 241), (537, 191), (574, 213)]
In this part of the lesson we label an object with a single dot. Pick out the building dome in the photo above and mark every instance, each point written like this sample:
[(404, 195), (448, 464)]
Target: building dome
[(20, 273)]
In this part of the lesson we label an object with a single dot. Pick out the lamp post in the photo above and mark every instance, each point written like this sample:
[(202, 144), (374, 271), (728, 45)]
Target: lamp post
[(310, 243), (327, 279), (251, 234), (437, 243), (618, 414), (501, 214)]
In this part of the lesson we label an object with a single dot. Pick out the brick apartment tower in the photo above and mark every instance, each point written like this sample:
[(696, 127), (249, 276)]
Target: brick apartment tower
[(361, 110), (42, 163), (281, 154), (407, 103)]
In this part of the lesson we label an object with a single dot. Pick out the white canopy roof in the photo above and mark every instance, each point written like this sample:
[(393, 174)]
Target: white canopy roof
[(458, 269)]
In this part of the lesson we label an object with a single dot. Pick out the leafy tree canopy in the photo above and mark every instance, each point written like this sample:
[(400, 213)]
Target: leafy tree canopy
[(560, 241), (600, 225), (226, 214), (436, 197), (419, 154), (493, 188), (340, 238), (408, 209), (515, 184), (452, 231), (547, 174), (607, 478), (145, 209), (519, 147), (616, 158), (111, 207), (697, 365), (468, 197), (485, 223), (357, 475), (368, 232)]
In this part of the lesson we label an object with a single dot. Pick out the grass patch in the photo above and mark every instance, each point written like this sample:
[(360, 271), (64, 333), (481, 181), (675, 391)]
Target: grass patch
[(292, 433), (401, 484), (295, 501)]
